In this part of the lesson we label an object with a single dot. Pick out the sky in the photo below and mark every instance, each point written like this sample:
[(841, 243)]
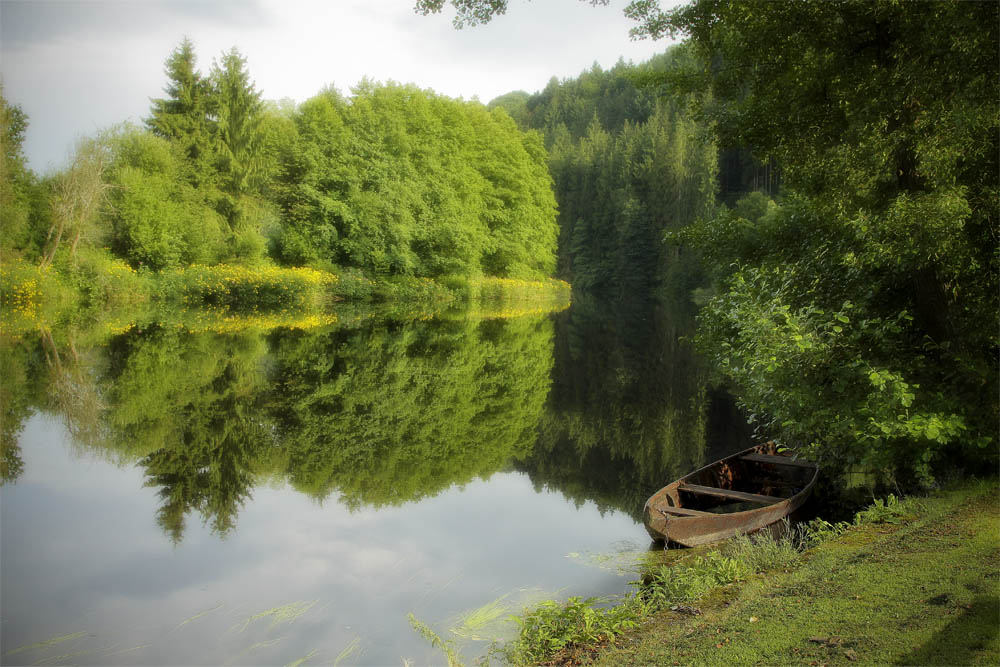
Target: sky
[(78, 66)]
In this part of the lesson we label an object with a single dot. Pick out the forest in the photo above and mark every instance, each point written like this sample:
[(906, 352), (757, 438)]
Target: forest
[(852, 300), (821, 178), (390, 181)]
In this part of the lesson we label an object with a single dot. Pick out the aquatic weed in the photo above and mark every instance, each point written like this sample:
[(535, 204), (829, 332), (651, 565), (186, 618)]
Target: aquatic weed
[(300, 661), (353, 647), (446, 646), (285, 613), (472, 624), (45, 643)]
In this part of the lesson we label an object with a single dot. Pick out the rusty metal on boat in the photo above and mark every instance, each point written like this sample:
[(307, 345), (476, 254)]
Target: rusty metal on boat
[(747, 491)]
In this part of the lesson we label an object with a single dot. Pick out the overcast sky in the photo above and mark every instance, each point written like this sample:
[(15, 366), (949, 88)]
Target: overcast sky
[(77, 66)]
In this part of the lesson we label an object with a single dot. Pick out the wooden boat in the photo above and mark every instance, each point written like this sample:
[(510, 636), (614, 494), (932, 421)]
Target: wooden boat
[(741, 493)]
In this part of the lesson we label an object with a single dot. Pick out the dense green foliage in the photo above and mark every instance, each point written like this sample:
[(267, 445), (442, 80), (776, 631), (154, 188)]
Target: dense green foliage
[(391, 181), (628, 166), (17, 183), (861, 314), (158, 219), (859, 318), (398, 180)]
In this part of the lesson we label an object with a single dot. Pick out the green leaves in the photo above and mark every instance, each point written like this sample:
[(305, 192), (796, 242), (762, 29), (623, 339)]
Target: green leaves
[(403, 181), (861, 314)]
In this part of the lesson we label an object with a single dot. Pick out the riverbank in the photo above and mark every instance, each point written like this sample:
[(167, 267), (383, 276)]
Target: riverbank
[(917, 586), (103, 288)]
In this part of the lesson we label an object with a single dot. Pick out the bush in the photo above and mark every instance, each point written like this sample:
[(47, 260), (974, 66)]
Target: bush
[(103, 280), (550, 627), (239, 287)]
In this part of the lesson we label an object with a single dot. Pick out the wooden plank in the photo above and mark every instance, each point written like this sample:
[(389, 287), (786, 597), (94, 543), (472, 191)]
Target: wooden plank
[(729, 493), (683, 511), (777, 460)]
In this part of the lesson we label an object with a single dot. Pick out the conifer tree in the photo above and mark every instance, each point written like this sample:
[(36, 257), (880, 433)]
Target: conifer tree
[(237, 114), (183, 116)]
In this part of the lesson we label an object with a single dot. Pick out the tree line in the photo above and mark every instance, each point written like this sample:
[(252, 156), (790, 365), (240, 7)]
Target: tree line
[(855, 296), (857, 314), (391, 180), (629, 164)]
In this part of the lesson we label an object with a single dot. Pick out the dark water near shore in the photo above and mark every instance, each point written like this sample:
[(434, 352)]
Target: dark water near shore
[(263, 496)]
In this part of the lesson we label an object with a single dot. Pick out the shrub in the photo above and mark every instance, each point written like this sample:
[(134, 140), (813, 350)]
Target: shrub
[(239, 287), (552, 626)]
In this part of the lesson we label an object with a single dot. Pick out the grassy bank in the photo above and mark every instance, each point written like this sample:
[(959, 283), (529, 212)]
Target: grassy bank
[(98, 286), (916, 582)]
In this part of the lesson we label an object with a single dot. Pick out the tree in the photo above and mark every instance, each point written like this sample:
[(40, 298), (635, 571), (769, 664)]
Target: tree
[(627, 166), (157, 218), (403, 181), (237, 113), (472, 12), (183, 117), (78, 196), (16, 180), (862, 315), (239, 157)]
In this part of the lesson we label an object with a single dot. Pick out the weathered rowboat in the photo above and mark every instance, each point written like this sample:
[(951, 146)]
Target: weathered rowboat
[(741, 493)]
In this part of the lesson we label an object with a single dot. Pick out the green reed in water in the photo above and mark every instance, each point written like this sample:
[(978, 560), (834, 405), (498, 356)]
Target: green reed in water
[(286, 613), (446, 646)]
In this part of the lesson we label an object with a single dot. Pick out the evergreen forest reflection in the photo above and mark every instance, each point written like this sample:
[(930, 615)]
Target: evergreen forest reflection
[(601, 402)]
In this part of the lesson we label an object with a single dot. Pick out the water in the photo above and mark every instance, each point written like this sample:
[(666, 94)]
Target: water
[(254, 496)]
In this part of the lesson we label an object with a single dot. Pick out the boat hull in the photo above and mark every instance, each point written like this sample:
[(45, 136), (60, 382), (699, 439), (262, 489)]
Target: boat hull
[(705, 527)]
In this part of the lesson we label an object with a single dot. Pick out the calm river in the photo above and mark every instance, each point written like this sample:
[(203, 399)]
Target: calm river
[(238, 494)]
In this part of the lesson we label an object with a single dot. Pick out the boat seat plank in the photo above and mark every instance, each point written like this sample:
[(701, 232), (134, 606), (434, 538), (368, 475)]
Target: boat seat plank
[(777, 460), (729, 493), (683, 511)]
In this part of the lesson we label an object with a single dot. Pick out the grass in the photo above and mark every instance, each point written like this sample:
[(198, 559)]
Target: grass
[(97, 286), (240, 287), (914, 581)]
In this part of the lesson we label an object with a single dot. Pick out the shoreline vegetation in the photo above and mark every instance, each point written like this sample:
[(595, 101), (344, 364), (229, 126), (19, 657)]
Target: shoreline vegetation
[(912, 581), (233, 298), (846, 270)]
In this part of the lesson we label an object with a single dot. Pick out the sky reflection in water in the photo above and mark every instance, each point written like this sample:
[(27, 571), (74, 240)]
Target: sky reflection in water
[(85, 561), (81, 553)]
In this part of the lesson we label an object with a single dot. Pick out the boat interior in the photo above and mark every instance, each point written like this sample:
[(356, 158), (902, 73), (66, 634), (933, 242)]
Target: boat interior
[(747, 482)]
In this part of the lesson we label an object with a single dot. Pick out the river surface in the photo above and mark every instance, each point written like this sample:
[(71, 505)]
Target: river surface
[(233, 493)]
